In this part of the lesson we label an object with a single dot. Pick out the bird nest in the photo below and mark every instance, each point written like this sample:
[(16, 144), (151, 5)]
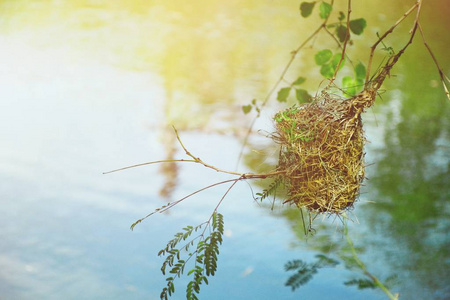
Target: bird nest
[(322, 151)]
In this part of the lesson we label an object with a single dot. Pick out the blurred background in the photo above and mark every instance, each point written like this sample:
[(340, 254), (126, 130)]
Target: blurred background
[(90, 86)]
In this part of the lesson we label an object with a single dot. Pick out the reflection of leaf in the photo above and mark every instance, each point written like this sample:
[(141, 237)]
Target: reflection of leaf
[(357, 26), (323, 56), (361, 283), (302, 95), (246, 108), (341, 32), (302, 277), (305, 271), (325, 261), (283, 94), (306, 8), (299, 81), (325, 10)]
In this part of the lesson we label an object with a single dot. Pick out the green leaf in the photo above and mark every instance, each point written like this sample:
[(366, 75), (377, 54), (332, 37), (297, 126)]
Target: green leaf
[(357, 26), (327, 70), (306, 8), (299, 81), (325, 10), (246, 108), (349, 85), (360, 71), (335, 61), (283, 94), (323, 56), (341, 16), (341, 32), (302, 96)]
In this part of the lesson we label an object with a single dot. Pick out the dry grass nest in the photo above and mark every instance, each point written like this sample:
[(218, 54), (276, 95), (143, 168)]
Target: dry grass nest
[(322, 151)]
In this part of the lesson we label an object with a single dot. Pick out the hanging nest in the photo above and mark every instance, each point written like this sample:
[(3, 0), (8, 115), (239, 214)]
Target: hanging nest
[(322, 151)]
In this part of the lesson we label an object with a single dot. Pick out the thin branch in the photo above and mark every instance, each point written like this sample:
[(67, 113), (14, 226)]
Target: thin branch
[(283, 73), (385, 71), (374, 279), (339, 44), (390, 30), (220, 202), (151, 163), (172, 204), (441, 73), (344, 47)]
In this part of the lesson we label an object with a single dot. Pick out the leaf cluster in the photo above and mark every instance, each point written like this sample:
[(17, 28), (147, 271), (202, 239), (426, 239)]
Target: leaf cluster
[(205, 253)]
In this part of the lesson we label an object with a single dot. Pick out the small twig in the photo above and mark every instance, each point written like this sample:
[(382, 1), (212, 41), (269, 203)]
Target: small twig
[(441, 73), (338, 43), (344, 47), (172, 204), (199, 161), (389, 31), (374, 279), (220, 202), (283, 73), (151, 163)]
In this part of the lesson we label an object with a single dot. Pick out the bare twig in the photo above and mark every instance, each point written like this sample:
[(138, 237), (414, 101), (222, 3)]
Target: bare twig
[(172, 204), (389, 31), (443, 77), (151, 163), (344, 47), (199, 161), (363, 267), (283, 73)]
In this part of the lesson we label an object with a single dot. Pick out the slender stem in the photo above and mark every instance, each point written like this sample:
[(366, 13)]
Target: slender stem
[(151, 163), (283, 73), (375, 280), (199, 161), (344, 47), (172, 204), (441, 73), (389, 31)]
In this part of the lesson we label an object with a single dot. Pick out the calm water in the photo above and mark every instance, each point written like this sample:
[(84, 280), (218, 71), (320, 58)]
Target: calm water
[(90, 86)]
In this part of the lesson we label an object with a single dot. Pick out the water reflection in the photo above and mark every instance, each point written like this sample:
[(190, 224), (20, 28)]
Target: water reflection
[(411, 180)]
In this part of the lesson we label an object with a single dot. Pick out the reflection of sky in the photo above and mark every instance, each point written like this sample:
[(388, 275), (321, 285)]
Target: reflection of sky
[(65, 226)]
